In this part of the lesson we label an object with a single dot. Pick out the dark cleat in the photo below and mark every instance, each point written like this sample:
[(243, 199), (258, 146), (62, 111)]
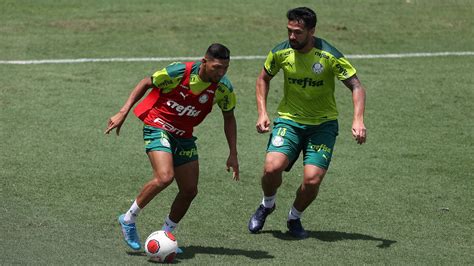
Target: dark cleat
[(296, 229), (258, 218)]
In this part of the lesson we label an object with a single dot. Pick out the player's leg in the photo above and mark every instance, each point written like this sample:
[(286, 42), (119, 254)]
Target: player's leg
[(308, 190), (159, 151), (186, 177), (275, 164), (163, 174), (162, 163), (317, 157), (186, 170), (305, 194), (282, 151)]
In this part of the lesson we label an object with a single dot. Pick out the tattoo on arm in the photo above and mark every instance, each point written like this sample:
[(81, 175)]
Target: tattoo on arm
[(352, 83)]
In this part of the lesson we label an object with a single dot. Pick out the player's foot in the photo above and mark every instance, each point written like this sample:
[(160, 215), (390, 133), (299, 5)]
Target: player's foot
[(296, 229), (130, 234), (258, 218)]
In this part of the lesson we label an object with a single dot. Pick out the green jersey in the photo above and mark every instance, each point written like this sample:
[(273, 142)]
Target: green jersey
[(308, 91), (169, 77)]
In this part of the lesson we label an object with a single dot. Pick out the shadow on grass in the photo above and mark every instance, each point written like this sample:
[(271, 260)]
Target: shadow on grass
[(332, 236), (142, 253), (190, 251), (136, 253)]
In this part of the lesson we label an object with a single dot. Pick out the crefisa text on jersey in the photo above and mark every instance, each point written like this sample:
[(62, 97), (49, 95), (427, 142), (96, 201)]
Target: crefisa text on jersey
[(306, 82), (182, 110)]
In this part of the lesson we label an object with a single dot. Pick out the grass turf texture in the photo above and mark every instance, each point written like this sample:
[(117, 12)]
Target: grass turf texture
[(403, 198)]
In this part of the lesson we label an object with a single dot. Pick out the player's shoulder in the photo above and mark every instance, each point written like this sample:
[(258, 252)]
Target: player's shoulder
[(175, 69), (325, 46), (195, 67), (225, 85), (282, 47)]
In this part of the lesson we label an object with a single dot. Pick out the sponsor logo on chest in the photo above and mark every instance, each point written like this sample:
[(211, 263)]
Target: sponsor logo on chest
[(306, 82), (182, 110)]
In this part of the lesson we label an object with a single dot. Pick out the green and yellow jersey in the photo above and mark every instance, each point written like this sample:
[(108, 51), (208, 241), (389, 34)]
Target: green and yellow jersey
[(169, 77), (308, 96)]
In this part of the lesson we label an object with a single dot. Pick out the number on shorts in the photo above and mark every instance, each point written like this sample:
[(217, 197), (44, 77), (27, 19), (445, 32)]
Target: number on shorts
[(281, 131)]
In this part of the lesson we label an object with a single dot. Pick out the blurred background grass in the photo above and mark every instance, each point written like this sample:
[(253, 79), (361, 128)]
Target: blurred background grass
[(404, 198)]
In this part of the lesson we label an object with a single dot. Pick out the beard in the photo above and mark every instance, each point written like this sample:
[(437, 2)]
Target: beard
[(298, 45), (215, 79)]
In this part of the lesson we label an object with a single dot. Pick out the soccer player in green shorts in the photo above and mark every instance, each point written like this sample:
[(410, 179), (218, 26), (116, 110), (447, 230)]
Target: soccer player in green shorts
[(181, 96), (307, 114)]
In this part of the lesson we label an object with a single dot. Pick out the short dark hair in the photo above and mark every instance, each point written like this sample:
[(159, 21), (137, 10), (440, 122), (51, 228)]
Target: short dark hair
[(303, 14), (218, 51)]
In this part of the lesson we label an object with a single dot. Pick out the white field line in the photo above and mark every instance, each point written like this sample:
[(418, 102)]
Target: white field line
[(250, 57)]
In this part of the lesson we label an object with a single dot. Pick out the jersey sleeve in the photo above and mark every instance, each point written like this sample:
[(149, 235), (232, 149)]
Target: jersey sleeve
[(271, 65), (225, 96), (169, 77), (342, 68)]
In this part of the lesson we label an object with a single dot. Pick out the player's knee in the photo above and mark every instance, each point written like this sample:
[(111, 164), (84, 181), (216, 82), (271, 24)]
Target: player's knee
[(163, 178), (313, 180), (189, 193), (272, 168)]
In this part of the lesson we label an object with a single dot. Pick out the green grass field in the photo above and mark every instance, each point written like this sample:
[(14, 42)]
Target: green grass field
[(403, 198)]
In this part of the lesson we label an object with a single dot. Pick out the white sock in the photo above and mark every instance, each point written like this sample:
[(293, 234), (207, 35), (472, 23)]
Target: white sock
[(269, 202), (294, 214), (169, 225), (132, 213)]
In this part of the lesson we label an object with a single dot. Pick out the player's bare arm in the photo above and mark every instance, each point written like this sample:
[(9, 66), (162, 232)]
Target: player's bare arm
[(230, 130), (117, 120), (359, 131), (261, 91)]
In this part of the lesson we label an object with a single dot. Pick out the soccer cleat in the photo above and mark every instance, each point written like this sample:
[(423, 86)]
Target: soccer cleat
[(296, 229), (130, 234), (258, 218)]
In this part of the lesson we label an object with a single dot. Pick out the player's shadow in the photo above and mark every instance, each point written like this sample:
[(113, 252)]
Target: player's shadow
[(332, 236), (190, 252), (136, 253), (143, 254)]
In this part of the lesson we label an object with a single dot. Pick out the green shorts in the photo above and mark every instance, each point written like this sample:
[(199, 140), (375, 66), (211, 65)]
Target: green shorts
[(316, 141), (183, 150)]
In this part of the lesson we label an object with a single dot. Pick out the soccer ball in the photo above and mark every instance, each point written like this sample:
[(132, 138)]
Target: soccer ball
[(161, 246)]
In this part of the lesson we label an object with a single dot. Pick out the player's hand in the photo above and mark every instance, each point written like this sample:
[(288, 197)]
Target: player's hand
[(263, 124), (115, 121), (359, 132), (233, 163)]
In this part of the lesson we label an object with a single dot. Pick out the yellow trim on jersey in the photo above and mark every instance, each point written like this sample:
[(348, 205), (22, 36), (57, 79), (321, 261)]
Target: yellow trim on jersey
[(225, 97)]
